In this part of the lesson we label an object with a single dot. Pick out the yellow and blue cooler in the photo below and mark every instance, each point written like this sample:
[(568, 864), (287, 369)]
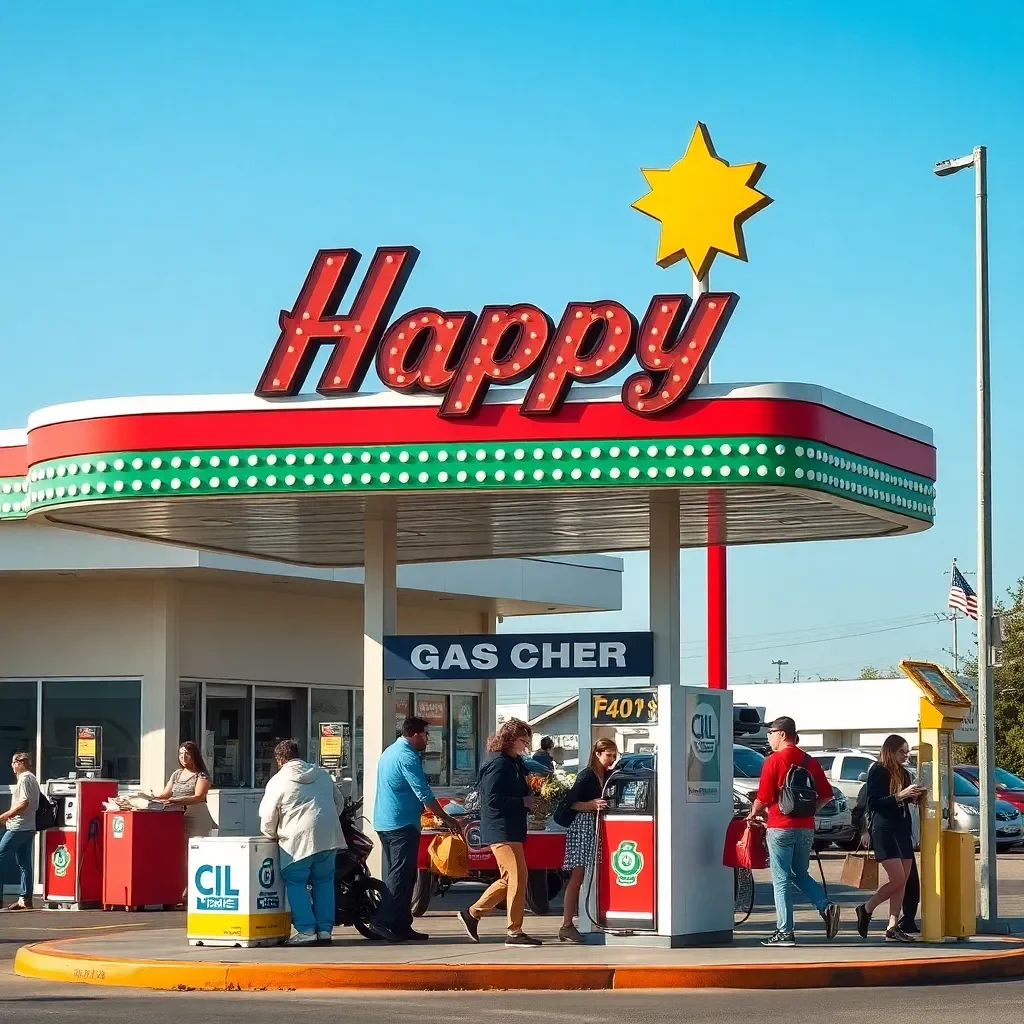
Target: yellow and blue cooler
[(235, 893)]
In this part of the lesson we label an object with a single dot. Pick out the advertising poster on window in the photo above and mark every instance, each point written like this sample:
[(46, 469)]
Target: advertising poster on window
[(434, 711), (703, 748), (402, 712), (464, 719), (88, 747), (331, 745)]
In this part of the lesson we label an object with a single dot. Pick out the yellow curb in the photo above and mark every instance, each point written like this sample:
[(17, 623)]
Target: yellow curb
[(50, 962)]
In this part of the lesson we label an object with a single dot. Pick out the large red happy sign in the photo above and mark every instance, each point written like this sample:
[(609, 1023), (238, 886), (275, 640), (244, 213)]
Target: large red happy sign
[(460, 354)]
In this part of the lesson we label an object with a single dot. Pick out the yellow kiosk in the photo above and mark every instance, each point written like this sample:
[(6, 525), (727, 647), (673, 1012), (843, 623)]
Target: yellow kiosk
[(947, 856)]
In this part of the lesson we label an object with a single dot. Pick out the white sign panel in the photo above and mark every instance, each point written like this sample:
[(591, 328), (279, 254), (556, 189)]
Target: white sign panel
[(968, 732)]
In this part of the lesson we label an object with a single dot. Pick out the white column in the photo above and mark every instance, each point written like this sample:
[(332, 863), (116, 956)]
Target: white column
[(380, 617), (664, 584), (159, 753), (489, 717)]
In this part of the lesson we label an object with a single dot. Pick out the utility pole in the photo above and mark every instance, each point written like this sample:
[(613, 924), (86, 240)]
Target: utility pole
[(989, 903), (778, 664)]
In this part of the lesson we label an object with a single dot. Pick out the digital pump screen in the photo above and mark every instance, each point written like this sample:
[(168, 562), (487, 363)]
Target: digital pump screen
[(633, 795)]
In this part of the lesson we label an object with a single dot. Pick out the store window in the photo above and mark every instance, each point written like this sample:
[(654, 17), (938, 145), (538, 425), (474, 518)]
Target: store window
[(114, 705), (17, 732), (331, 706), (188, 713), (465, 716), (17, 720), (433, 709)]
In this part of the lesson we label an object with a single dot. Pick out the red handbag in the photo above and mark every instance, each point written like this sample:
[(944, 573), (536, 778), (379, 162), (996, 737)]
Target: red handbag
[(746, 845)]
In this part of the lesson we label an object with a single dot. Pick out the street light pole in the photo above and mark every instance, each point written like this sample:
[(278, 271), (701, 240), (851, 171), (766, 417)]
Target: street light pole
[(986, 694)]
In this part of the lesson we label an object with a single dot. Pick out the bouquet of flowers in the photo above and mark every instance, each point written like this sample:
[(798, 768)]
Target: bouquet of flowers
[(539, 813), (556, 788)]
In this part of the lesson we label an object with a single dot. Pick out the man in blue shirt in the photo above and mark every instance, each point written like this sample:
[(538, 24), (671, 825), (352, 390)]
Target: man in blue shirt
[(402, 794)]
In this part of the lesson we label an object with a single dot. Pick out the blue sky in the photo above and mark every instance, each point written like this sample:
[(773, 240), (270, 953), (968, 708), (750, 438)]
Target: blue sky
[(170, 170)]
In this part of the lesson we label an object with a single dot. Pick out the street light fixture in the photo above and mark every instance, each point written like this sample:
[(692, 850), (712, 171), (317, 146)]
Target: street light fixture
[(986, 695)]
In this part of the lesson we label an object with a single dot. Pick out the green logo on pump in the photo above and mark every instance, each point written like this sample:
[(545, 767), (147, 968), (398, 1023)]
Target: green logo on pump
[(627, 862), (61, 861)]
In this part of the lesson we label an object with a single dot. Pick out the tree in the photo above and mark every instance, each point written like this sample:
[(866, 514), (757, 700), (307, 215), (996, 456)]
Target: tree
[(870, 672), (1008, 682)]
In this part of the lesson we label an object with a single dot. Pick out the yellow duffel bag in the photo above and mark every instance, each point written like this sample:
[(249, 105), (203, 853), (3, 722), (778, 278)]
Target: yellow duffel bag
[(449, 856)]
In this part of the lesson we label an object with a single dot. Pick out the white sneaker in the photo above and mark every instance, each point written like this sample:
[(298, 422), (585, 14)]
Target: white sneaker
[(323, 938), (302, 939)]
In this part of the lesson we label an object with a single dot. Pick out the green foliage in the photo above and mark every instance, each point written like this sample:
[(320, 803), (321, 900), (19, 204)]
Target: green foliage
[(1008, 682), (870, 672)]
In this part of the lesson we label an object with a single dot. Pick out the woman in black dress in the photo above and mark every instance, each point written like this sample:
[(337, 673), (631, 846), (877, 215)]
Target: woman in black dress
[(582, 804), (890, 792)]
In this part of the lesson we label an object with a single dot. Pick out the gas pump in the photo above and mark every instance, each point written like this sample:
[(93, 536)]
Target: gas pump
[(947, 856), (659, 878), (73, 850), (627, 893)]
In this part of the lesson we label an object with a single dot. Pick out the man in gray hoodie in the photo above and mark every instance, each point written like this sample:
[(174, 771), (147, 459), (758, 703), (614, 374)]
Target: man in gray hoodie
[(301, 809)]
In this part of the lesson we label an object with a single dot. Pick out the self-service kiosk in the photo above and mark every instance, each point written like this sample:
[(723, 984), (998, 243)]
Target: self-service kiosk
[(659, 878), (73, 850), (948, 890)]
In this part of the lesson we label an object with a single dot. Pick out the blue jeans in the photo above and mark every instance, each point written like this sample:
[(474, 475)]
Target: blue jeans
[(317, 871), (789, 850), (19, 846)]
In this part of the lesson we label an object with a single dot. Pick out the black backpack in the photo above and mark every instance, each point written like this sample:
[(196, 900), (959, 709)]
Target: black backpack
[(46, 814), (798, 797)]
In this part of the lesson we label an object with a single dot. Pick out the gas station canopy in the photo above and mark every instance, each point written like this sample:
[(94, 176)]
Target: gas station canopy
[(293, 478)]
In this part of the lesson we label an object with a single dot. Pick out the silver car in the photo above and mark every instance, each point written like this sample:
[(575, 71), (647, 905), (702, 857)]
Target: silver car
[(966, 815)]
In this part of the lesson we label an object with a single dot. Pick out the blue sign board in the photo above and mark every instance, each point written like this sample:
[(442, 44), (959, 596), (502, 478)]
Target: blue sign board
[(519, 656)]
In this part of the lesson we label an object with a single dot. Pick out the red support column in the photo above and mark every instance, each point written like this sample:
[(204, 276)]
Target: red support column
[(718, 618)]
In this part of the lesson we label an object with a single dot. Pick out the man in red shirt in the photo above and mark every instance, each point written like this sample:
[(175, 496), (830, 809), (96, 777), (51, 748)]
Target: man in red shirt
[(791, 778)]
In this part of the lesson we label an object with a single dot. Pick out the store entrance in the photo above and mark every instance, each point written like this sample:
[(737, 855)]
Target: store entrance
[(279, 714)]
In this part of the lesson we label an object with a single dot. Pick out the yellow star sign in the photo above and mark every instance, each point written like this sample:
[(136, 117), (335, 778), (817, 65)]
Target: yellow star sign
[(702, 203)]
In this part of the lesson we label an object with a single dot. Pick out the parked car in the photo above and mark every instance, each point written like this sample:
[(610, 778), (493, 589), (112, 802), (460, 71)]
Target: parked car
[(845, 768), (967, 814), (1009, 786)]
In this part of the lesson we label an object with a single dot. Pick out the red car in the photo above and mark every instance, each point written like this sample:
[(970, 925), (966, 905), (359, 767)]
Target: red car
[(1009, 787)]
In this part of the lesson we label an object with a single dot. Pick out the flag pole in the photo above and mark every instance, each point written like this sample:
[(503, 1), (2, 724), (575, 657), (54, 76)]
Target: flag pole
[(956, 634)]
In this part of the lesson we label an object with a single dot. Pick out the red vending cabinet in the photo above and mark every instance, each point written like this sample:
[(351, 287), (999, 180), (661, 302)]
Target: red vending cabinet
[(73, 851), (144, 859)]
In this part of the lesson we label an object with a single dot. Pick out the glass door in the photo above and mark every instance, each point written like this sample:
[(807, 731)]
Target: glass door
[(279, 714), (227, 730)]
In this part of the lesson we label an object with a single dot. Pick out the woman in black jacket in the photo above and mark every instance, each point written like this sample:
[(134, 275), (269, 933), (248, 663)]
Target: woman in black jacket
[(504, 801), (583, 802), (890, 792)]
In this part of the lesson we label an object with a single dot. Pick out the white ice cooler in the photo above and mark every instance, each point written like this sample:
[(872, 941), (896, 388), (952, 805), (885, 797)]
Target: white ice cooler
[(235, 893)]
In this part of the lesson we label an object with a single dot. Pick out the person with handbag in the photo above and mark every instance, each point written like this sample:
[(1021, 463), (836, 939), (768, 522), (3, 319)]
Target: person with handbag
[(792, 789), (505, 798), (912, 893), (578, 814), (890, 792), (19, 823)]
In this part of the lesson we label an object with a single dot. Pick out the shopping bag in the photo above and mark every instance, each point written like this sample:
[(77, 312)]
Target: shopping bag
[(746, 845), (860, 870), (449, 856)]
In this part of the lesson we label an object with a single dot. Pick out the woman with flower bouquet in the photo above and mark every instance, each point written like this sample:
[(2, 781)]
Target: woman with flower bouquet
[(578, 813)]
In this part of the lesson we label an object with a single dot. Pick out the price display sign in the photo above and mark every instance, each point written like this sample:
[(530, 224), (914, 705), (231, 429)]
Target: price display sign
[(88, 747), (331, 747), (627, 707)]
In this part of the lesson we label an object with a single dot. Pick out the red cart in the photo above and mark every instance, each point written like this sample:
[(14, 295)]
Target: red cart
[(544, 851)]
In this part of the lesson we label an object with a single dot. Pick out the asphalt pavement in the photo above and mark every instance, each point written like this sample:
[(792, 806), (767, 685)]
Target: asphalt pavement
[(24, 1001)]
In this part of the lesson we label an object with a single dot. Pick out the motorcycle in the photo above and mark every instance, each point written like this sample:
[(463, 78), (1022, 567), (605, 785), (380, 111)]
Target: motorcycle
[(357, 894)]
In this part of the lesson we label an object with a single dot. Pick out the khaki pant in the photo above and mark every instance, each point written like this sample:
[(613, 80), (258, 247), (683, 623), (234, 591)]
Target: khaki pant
[(511, 886)]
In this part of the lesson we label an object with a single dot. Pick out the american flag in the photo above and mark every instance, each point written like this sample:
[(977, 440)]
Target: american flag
[(961, 596)]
